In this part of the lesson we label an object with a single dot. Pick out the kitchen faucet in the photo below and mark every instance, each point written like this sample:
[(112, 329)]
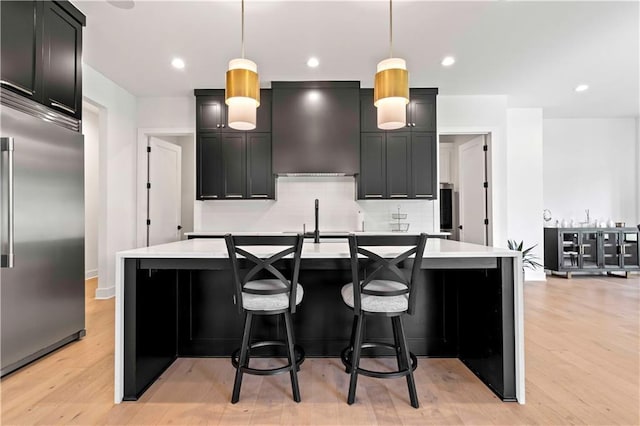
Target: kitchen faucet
[(316, 232)]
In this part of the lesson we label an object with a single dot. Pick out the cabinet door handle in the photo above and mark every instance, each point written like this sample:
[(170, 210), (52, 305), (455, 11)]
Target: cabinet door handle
[(6, 144), (222, 125), (399, 196), (408, 124), (218, 126), (17, 87), (413, 124), (424, 195), (66, 108), (259, 196), (208, 197), (373, 196), (233, 196)]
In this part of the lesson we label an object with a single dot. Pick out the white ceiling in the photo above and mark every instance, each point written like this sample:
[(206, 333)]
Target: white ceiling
[(535, 52)]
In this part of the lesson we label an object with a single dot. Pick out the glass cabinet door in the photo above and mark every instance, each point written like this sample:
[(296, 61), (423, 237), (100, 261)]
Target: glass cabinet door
[(589, 250), (611, 249), (570, 249), (629, 249)]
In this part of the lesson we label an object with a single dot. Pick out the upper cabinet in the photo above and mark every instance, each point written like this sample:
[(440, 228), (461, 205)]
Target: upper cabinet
[(232, 164), (20, 41), (421, 111), (399, 163), (41, 53)]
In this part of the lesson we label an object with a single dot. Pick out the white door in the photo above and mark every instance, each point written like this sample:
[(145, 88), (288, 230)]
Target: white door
[(472, 192), (164, 193)]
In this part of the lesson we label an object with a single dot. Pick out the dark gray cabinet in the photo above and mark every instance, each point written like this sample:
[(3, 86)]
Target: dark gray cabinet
[(232, 164), (591, 249), (423, 165), (315, 127), (372, 181), (401, 163), (260, 182), (421, 111), (20, 41), (208, 166), (398, 158), (42, 51)]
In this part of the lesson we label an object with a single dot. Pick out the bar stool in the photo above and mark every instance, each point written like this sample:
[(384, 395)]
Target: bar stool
[(256, 295), (384, 290)]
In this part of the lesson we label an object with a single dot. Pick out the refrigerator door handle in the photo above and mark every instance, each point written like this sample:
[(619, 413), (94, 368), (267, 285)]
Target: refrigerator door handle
[(6, 144)]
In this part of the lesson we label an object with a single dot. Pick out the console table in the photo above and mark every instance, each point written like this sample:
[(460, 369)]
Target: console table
[(592, 249)]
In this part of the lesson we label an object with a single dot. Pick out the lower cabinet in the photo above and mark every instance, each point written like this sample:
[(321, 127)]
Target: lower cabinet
[(591, 249), (234, 166), (396, 165)]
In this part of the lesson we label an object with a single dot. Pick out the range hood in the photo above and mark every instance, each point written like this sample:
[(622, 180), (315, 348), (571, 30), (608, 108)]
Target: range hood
[(316, 128)]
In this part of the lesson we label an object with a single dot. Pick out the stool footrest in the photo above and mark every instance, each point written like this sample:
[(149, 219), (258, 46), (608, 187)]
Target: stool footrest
[(345, 356), (300, 357)]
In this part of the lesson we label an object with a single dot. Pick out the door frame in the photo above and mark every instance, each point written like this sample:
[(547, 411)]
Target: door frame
[(486, 178), (177, 149), (492, 135), (141, 174)]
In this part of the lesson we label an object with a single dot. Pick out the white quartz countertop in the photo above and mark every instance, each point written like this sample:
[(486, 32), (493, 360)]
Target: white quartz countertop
[(332, 234), (335, 248)]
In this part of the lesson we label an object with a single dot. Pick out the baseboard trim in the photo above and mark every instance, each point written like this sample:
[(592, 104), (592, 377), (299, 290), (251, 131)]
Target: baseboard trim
[(105, 293), (92, 273), (537, 275)]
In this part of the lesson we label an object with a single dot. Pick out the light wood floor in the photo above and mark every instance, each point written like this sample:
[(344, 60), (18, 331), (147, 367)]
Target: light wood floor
[(582, 360)]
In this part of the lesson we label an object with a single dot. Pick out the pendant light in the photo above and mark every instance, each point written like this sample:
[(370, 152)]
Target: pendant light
[(242, 90), (391, 87)]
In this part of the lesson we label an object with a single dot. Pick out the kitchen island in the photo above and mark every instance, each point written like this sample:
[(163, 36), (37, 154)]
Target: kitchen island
[(175, 300)]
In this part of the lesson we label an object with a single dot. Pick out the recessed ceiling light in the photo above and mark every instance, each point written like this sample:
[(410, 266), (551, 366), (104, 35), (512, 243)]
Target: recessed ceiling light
[(313, 62), (582, 87), (448, 61), (122, 4), (177, 63)]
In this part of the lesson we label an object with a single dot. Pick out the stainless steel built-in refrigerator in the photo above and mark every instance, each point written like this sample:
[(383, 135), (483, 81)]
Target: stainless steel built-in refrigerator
[(42, 233)]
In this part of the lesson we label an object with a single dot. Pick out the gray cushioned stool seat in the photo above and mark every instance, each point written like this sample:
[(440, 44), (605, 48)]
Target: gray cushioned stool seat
[(268, 302), (372, 303)]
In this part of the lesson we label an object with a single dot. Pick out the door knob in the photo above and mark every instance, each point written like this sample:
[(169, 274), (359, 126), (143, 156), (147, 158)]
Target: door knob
[(179, 227), (460, 227)]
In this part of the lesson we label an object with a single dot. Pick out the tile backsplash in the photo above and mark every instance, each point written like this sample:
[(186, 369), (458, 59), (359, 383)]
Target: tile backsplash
[(294, 206)]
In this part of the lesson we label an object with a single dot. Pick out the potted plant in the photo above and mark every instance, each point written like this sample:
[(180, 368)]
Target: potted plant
[(529, 260)]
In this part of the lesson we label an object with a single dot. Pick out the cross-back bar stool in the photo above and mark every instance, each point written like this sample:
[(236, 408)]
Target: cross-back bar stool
[(383, 287), (256, 295)]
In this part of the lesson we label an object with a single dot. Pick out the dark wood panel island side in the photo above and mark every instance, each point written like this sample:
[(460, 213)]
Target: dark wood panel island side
[(175, 300)]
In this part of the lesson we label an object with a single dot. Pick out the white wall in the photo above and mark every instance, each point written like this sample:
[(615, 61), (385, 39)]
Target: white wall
[(167, 112), (116, 172), (524, 186), (90, 130), (592, 164), (295, 207)]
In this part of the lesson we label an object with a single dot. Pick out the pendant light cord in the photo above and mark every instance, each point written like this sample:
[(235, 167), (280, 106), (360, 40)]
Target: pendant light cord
[(242, 29), (390, 28)]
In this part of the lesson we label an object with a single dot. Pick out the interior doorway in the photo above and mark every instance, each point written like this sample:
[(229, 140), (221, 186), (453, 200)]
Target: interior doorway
[(465, 177), (164, 197), (165, 185)]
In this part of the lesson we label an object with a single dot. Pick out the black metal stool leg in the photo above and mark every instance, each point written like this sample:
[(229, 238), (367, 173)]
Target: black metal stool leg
[(244, 357), (397, 344), (292, 357), (411, 384), (355, 359), (351, 340)]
